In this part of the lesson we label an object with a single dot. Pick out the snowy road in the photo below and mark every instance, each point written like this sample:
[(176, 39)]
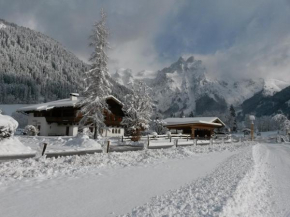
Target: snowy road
[(250, 181)]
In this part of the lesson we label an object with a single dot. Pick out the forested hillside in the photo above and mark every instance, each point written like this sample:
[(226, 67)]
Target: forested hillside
[(268, 105), (34, 67)]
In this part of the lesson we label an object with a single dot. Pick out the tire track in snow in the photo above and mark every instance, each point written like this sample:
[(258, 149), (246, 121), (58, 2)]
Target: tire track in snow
[(254, 193), (206, 196)]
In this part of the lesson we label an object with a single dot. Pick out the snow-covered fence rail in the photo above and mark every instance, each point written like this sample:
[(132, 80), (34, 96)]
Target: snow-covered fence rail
[(153, 137)]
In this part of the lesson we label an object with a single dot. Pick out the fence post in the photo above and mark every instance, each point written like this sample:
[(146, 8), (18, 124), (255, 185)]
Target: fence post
[(44, 148), (108, 146), (170, 138), (187, 138), (122, 138), (223, 141), (176, 143), (148, 141)]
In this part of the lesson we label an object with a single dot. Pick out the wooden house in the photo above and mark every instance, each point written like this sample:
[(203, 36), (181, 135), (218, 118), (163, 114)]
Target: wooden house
[(62, 117)]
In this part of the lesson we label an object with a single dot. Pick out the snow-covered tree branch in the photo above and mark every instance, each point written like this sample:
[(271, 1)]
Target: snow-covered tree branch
[(282, 121), (137, 109)]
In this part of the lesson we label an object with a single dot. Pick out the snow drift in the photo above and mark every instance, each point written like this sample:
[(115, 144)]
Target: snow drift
[(83, 141), (9, 144), (12, 146)]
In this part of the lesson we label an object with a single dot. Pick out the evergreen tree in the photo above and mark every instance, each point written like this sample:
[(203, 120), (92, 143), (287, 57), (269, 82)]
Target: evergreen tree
[(181, 114), (233, 119), (97, 86), (191, 114)]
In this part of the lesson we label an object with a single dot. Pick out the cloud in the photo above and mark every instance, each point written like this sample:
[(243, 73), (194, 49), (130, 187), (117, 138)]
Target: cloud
[(133, 25), (236, 39)]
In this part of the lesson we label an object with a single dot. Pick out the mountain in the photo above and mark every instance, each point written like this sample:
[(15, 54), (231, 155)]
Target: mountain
[(186, 86), (34, 67), (261, 104)]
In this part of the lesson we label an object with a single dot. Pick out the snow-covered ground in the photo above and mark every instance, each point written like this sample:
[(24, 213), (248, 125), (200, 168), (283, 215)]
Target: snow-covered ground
[(239, 179), (59, 143), (62, 144)]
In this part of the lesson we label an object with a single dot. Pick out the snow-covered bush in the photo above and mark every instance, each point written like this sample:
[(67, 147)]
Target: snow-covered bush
[(8, 126), (157, 125), (154, 135), (31, 130), (168, 133), (282, 121)]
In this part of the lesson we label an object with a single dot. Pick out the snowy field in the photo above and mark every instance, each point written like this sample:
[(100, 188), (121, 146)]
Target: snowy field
[(239, 179)]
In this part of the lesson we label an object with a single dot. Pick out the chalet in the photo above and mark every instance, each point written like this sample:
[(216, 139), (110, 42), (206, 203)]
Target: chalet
[(201, 127), (62, 117)]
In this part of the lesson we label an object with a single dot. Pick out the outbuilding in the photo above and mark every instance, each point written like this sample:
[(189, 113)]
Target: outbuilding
[(201, 127)]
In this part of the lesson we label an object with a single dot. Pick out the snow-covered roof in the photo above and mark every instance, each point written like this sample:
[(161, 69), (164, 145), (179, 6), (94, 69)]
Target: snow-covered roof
[(114, 98), (195, 120), (58, 104)]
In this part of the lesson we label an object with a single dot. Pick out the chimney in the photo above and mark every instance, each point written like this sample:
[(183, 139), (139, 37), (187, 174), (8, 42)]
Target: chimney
[(74, 96)]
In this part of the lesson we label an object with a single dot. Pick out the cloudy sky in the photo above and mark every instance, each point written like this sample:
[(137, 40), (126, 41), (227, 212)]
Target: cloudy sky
[(248, 38)]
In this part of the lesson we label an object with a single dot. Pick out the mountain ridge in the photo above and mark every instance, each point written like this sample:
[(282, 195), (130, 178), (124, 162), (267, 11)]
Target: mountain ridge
[(185, 86), (34, 67)]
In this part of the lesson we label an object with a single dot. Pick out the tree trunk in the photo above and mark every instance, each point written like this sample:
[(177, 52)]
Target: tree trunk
[(96, 132), (136, 136)]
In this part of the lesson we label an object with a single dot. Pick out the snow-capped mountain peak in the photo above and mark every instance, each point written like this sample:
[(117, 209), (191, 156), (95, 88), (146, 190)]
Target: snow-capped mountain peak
[(2, 25), (272, 86), (186, 86)]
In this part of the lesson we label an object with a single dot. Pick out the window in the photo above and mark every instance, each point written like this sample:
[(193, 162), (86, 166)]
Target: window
[(113, 131), (119, 131)]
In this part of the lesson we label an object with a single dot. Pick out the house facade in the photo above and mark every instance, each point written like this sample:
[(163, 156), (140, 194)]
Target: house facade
[(197, 127), (62, 117)]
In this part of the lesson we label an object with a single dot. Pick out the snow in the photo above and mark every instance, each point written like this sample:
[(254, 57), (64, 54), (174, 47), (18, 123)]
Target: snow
[(60, 144), (59, 103), (205, 120), (8, 123), (239, 179), (9, 145), (272, 86), (12, 146), (102, 184), (253, 194), (49, 105), (203, 197), (2, 25), (177, 87), (83, 141)]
